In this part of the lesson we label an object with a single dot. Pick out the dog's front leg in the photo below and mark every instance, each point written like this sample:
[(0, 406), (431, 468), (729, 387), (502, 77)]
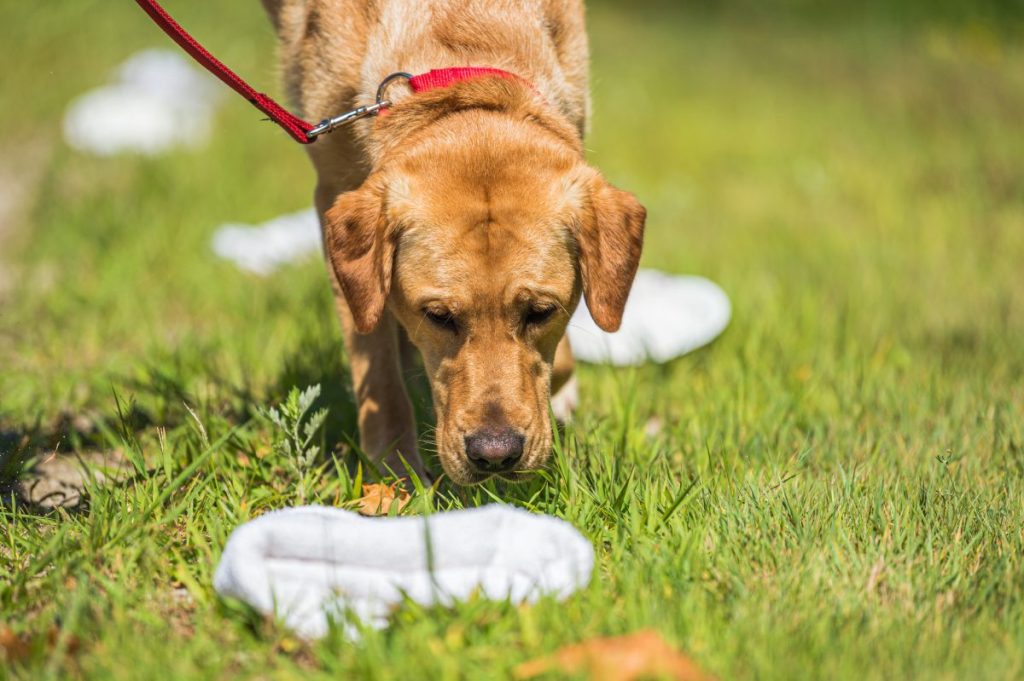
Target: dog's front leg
[(564, 391), (387, 423)]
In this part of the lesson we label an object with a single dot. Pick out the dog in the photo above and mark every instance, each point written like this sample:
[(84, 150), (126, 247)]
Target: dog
[(464, 221)]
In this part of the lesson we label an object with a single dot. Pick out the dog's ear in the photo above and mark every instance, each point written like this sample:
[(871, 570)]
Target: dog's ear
[(610, 236), (361, 249)]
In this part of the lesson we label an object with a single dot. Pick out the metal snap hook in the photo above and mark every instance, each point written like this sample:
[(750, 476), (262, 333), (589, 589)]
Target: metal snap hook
[(330, 124)]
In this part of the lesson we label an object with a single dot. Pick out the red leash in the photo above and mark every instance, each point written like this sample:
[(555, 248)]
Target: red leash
[(295, 126), (300, 130)]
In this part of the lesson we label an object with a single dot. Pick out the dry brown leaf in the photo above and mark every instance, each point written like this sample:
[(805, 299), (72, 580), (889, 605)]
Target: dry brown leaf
[(640, 655), (13, 648), (378, 498)]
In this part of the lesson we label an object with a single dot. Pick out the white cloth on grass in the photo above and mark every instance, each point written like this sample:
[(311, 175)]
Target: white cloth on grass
[(666, 316), (157, 101), (313, 563), (263, 248)]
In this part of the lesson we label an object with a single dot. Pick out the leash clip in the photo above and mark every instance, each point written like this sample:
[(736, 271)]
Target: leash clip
[(330, 124)]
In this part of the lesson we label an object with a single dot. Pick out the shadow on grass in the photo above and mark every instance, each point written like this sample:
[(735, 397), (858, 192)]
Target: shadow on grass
[(160, 397), (21, 445), (26, 448), (320, 360)]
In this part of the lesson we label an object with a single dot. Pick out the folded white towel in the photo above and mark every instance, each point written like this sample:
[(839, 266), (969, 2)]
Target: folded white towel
[(310, 564), (666, 316)]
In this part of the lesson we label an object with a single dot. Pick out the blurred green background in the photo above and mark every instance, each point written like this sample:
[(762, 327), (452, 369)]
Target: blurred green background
[(850, 173), (812, 157)]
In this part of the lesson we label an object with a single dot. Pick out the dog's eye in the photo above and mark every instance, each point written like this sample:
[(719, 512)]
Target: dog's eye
[(442, 319), (536, 316)]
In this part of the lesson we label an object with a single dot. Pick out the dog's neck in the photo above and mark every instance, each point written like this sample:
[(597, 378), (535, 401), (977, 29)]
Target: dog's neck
[(413, 115)]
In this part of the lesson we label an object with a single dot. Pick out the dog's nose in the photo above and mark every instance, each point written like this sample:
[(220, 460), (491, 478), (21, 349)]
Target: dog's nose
[(495, 450)]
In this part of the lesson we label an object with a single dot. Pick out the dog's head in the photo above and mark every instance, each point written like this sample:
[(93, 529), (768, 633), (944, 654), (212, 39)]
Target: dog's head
[(480, 237)]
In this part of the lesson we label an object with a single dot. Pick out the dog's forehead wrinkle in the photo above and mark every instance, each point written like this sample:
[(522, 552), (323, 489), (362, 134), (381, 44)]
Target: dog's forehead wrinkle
[(485, 269), (533, 291)]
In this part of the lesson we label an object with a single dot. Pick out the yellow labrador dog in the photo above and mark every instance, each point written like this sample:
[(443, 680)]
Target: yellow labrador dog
[(465, 221)]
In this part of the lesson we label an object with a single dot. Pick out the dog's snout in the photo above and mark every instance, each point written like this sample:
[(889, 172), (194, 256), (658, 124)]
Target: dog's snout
[(495, 450)]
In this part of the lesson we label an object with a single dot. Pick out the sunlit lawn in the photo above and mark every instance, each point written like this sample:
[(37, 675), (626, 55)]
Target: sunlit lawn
[(855, 441)]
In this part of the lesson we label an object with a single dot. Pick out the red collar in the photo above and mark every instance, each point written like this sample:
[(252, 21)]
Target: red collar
[(439, 78), (301, 130)]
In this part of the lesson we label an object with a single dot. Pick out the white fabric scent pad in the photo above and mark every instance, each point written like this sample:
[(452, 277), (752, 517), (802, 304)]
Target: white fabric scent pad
[(312, 563), (263, 248), (666, 316), (157, 101)]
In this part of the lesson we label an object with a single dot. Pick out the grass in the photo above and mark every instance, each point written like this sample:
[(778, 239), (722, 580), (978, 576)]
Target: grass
[(837, 487)]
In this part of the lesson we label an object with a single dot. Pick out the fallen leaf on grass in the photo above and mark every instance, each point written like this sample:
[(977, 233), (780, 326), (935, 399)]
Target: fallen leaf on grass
[(641, 655), (378, 498), (13, 648)]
